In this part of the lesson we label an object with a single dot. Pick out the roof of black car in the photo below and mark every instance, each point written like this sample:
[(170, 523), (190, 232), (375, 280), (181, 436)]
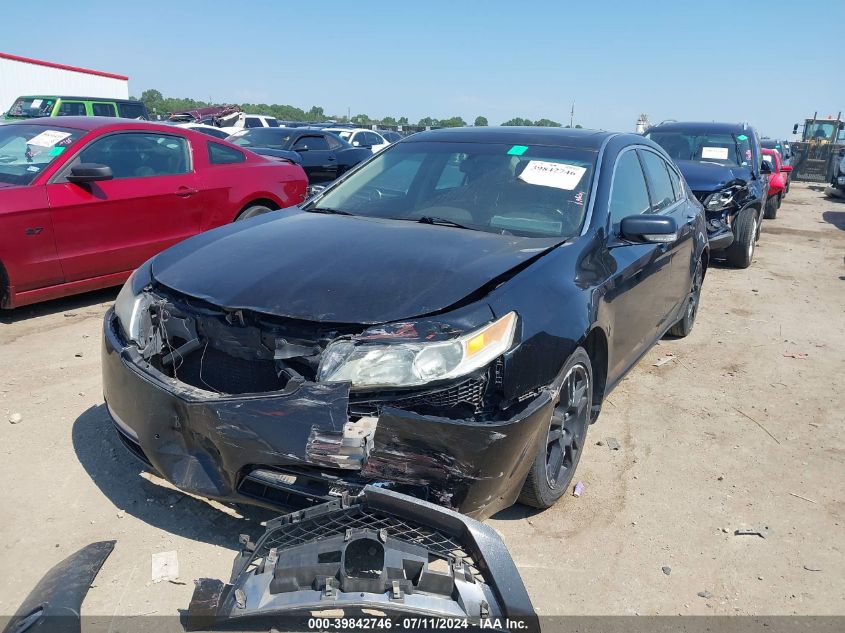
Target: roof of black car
[(699, 126), (565, 137)]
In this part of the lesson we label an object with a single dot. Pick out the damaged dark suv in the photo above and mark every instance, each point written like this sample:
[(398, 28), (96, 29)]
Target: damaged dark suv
[(723, 164), (445, 321)]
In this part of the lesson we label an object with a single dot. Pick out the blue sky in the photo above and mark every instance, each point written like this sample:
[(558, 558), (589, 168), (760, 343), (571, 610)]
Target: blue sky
[(766, 62)]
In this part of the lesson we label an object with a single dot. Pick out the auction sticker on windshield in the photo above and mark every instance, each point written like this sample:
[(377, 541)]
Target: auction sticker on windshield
[(546, 174), (716, 153), (48, 138)]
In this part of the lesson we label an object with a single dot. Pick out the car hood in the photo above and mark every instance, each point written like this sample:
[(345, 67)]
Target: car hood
[(707, 177), (341, 269)]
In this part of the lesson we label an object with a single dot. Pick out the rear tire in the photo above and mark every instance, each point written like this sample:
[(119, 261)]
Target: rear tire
[(683, 327), (741, 252), (560, 445), (771, 209), (252, 211)]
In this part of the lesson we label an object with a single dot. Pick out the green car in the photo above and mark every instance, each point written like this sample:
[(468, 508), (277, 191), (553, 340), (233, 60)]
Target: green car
[(36, 106)]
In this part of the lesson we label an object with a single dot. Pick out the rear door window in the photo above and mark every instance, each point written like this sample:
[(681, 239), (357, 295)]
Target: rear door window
[(131, 110), (103, 109), (660, 185), (311, 143), (72, 108)]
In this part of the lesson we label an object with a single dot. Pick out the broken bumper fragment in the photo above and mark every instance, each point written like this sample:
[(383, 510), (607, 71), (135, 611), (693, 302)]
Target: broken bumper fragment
[(377, 553), (300, 445)]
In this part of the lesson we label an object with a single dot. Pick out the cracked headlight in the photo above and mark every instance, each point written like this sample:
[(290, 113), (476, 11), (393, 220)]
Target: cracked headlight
[(131, 303), (719, 200), (408, 364)]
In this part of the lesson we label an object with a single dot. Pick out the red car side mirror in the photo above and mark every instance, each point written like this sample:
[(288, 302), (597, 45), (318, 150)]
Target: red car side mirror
[(786, 168)]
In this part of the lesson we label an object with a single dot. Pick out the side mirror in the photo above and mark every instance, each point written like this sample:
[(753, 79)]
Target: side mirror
[(765, 167), (649, 228), (786, 168), (795, 129), (89, 172)]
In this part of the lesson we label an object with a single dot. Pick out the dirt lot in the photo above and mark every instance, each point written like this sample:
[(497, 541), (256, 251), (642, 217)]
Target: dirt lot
[(743, 428)]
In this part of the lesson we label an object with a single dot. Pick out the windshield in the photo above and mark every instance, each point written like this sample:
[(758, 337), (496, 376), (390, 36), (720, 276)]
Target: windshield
[(26, 150), (533, 191), (713, 147), (819, 130), (31, 107), (258, 137)]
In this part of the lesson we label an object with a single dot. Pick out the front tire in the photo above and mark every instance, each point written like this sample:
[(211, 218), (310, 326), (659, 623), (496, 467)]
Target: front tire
[(683, 327), (560, 446), (252, 211), (771, 209), (741, 252)]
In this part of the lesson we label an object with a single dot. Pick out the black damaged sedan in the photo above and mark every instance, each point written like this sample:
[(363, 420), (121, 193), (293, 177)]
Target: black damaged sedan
[(445, 320)]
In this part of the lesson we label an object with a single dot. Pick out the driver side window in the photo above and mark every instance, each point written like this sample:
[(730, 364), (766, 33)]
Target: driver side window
[(138, 155), (628, 194)]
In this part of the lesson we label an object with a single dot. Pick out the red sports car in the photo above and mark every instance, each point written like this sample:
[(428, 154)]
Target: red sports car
[(777, 182), (85, 200)]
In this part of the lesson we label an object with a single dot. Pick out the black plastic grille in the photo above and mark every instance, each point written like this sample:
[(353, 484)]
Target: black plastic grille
[(356, 518), (468, 393)]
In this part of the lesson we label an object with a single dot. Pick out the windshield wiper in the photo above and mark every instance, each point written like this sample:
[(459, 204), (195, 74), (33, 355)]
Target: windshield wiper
[(328, 211), (433, 219)]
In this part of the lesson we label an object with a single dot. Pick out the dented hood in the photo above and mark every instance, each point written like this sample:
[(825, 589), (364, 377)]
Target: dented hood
[(340, 269), (706, 177)]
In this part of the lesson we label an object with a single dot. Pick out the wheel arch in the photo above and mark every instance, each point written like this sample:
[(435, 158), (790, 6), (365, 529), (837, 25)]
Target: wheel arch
[(596, 346), (5, 287), (267, 202)]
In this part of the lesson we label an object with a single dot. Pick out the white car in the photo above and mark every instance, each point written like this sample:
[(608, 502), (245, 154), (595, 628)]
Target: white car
[(360, 137), (210, 130), (246, 121)]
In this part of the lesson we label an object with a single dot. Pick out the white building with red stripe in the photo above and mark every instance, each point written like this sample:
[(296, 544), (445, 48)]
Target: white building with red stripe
[(24, 76)]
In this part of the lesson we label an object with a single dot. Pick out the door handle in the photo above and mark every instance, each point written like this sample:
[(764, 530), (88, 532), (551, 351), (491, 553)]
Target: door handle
[(184, 192), (332, 158)]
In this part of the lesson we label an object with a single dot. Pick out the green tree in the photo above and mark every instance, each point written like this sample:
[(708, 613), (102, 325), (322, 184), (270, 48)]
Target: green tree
[(518, 121), (481, 121), (316, 114), (403, 120), (454, 121), (428, 121), (361, 119), (388, 120), (546, 123)]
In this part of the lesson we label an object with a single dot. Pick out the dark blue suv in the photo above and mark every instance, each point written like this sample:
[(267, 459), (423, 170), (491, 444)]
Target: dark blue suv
[(722, 163)]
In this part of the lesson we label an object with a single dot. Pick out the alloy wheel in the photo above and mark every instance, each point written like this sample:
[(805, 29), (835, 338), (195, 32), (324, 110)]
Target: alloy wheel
[(568, 428), (753, 239), (695, 295)]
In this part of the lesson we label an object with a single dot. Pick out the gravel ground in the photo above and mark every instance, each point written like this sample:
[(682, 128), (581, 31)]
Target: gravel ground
[(742, 428)]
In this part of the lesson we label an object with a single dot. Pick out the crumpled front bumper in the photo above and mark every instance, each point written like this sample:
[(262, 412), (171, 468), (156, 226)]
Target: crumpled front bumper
[(254, 448), (719, 233)]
